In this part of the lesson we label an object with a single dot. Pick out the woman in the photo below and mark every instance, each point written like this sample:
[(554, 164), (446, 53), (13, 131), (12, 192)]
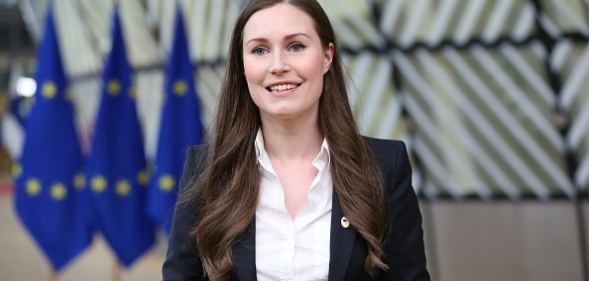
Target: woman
[(288, 189)]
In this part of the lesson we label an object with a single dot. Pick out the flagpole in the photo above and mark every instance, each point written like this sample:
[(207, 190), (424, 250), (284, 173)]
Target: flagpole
[(116, 270)]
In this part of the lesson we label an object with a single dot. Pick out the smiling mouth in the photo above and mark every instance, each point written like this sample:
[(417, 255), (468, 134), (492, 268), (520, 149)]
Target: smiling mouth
[(282, 87)]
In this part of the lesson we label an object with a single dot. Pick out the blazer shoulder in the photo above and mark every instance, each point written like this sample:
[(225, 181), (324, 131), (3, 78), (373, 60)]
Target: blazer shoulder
[(196, 157), (387, 152), (376, 143), (197, 152)]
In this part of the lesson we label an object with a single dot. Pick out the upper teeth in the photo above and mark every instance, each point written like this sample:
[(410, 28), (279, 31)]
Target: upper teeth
[(283, 87)]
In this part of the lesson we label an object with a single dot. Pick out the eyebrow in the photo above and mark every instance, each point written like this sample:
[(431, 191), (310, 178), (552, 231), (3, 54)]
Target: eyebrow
[(261, 39)]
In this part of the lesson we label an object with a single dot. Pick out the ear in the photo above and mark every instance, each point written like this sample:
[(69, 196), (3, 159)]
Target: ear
[(328, 57)]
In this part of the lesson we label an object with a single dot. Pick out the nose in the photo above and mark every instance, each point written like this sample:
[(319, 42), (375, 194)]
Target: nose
[(279, 63)]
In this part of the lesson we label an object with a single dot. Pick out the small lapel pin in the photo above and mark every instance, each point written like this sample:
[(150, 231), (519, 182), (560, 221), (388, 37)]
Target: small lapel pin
[(345, 222)]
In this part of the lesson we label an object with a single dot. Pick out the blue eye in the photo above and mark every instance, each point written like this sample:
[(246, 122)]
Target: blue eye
[(259, 51), (297, 47)]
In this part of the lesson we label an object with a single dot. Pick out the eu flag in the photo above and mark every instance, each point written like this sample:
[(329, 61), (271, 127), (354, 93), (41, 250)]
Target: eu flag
[(116, 167), (180, 127), (49, 181)]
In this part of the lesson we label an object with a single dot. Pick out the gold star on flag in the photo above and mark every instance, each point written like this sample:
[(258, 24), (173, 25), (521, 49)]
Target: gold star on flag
[(69, 95), (79, 181), (123, 188), (33, 187), (167, 183), (49, 89), (113, 87), (133, 92), (16, 170), (180, 88), (143, 177), (98, 184), (58, 191)]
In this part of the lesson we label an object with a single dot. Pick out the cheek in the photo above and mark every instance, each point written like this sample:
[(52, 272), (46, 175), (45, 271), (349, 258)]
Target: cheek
[(313, 67), (252, 74), (251, 70)]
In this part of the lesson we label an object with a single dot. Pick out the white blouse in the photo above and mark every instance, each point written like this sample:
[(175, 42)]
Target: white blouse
[(287, 248)]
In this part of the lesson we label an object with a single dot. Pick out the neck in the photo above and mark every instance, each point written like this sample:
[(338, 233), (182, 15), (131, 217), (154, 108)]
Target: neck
[(292, 140)]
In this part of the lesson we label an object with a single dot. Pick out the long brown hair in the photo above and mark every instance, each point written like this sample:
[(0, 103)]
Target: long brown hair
[(227, 190)]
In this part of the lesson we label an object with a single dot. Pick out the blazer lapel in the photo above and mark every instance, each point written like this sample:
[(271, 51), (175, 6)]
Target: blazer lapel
[(244, 254), (341, 243)]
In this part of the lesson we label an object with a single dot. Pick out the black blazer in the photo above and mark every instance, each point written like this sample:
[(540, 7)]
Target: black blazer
[(404, 251)]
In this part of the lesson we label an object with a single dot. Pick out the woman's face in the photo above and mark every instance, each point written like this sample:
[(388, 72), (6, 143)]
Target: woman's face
[(284, 62)]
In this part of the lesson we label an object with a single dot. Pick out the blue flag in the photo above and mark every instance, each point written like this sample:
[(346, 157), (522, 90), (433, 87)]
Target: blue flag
[(180, 127), (50, 178), (116, 168)]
